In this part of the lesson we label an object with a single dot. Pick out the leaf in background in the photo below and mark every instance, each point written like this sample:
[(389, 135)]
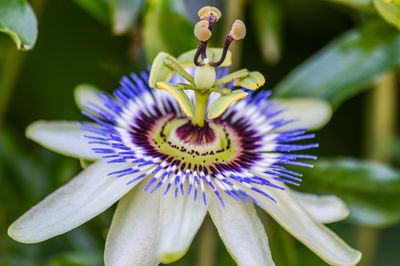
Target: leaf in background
[(389, 10), (267, 19), (346, 66), (166, 29), (365, 5), (77, 259), (123, 14), (24, 170), (98, 9), (371, 190), (18, 20)]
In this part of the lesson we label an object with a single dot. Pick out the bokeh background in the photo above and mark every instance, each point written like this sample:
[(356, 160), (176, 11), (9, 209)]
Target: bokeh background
[(345, 51)]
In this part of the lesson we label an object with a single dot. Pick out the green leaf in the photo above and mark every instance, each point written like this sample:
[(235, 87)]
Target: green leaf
[(371, 190), (223, 102), (123, 14), (267, 17), (389, 10), (365, 5), (18, 20), (98, 9), (77, 259), (166, 29), (346, 66), (179, 95)]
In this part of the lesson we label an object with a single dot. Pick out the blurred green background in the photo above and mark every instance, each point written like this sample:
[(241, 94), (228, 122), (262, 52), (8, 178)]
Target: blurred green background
[(346, 52)]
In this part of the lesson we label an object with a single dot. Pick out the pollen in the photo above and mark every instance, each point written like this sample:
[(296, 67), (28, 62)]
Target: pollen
[(208, 11), (238, 30), (201, 30)]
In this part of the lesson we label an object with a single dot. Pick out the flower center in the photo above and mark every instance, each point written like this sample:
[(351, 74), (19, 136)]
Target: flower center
[(179, 138)]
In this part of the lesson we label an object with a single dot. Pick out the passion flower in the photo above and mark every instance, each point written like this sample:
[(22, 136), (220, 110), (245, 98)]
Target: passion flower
[(176, 143)]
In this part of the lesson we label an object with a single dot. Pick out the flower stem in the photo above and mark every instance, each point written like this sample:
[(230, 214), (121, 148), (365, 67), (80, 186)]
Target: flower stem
[(200, 108), (234, 9), (8, 78), (380, 131), (208, 244)]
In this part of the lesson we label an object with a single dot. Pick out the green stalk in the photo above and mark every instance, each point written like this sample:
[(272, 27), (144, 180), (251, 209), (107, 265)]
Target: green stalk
[(234, 10), (8, 78), (208, 243), (380, 130), (200, 108)]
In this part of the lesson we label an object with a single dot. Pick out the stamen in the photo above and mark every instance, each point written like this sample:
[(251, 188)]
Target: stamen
[(209, 15), (237, 32)]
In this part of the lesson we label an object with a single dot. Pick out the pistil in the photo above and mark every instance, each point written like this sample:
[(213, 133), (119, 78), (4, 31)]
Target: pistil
[(200, 108)]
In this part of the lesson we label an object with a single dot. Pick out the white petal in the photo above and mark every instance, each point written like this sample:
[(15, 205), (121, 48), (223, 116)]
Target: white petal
[(325, 208), (85, 93), (63, 137), (84, 197), (298, 222), (133, 236), (311, 113), (241, 231), (181, 218)]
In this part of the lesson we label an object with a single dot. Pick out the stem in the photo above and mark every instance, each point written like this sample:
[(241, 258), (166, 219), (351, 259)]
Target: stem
[(234, 9), (380, 130), (200, 108), (207, 244), (8, 79), (382, 118)]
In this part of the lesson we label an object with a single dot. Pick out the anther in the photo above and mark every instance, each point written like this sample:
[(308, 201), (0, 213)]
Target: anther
[(201, 30), (238, 30), (206, 12)]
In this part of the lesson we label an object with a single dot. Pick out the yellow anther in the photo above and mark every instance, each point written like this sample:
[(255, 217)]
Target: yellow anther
[(201, 30), (238, 30), (209, 11)]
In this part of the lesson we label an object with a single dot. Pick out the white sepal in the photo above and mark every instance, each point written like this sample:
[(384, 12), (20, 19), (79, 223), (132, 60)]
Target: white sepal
[(324, 208), (133, 236), (84, 197), (297, 221), (241, 231), (181, 218), (65, 137)]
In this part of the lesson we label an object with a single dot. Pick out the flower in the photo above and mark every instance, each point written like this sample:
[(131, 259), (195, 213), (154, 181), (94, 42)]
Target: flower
[(168, 166)]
